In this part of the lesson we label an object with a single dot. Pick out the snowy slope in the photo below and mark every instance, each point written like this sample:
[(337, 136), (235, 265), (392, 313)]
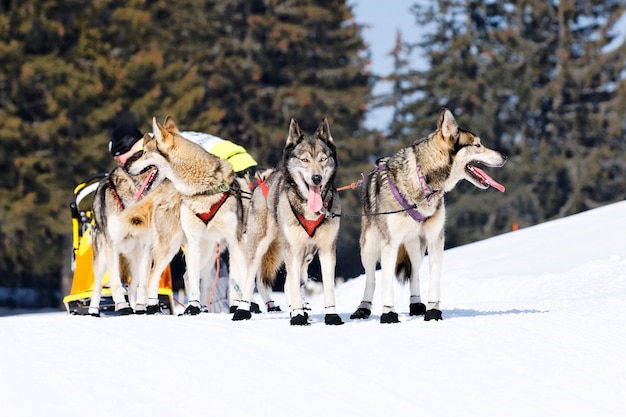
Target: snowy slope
[(534, 325)]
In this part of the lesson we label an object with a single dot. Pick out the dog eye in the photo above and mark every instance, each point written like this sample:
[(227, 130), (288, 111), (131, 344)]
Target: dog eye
[(304, 160), (324, 158), (477, 145)]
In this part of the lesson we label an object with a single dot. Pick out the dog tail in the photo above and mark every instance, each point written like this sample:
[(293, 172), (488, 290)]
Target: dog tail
[(403, 265), (270, 265), (138, 218)]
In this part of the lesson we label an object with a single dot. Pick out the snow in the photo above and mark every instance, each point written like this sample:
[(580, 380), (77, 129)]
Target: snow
[(534, 325)]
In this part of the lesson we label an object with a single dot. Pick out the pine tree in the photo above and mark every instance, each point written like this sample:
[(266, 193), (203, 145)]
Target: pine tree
[(539, 80), (71, 71)]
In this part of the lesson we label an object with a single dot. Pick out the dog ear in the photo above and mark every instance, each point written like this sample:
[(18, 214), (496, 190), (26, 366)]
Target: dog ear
[(447, 124), (156, 130), (170, 125), (295, 133), (323, 131), (161, 133)]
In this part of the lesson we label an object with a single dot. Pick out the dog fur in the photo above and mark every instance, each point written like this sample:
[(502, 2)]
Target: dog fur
[(302, 186), (137, 233), (422, 174), (208, 188)]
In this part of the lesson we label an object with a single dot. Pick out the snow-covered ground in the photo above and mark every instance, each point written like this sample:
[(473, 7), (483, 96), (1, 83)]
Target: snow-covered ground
[(534, 325)]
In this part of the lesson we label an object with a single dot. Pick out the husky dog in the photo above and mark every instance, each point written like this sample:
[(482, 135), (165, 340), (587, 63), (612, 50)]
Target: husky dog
[(296, 218), (404, 213), (210, 212), (137, 232)]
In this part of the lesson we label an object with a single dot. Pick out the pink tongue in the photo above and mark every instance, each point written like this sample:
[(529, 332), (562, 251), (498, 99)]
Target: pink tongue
[(486, 179), (315, 198)]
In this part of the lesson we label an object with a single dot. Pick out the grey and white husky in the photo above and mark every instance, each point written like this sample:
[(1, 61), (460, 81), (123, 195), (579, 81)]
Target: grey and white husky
[(296, 218), (411, 185)]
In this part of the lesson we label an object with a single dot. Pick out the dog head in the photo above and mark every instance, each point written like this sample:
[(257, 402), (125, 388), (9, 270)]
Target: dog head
[(310, 162), (467, 151), (191, 169)]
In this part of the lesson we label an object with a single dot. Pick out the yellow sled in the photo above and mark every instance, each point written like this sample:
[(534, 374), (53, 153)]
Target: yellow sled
[(77, 302)]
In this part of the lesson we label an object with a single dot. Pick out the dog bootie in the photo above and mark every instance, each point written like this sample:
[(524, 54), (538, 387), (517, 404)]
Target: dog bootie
[(299, 320), (333, 319), (390, 317), (193, 309), (417, 309), (153, 309), (361, 313), (126, 311), (240, 315), (433, 314), (271, 307)]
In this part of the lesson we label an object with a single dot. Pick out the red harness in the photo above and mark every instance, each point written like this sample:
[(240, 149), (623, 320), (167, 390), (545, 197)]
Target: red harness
[(263, 184), (207, 216), (309, 225)]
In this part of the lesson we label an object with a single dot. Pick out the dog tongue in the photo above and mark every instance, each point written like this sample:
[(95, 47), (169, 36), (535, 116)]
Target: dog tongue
[(315, 198), (487, 179)]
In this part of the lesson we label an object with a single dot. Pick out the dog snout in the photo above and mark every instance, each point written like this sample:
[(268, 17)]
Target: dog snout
[(317, 179)]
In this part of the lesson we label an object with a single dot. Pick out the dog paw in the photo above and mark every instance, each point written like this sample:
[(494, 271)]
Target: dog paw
[(274, 309), (333, 319), (153, 309), (361, 313), (391, 317), (299, 320), (191, 310), (126, 311), (233, 309), (417, 309), (254, 308), (433, 314), (240, 315)]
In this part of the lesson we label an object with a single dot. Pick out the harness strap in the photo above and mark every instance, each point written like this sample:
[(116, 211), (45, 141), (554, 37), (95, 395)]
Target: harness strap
[(309, 225), (263, 184), (120, 203), (206, 217), (409, 208)]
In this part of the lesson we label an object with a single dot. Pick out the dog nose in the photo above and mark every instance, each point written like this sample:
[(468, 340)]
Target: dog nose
[(316, 179)]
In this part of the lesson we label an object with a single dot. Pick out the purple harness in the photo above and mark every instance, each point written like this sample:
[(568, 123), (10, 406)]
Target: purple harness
[(410, 208)]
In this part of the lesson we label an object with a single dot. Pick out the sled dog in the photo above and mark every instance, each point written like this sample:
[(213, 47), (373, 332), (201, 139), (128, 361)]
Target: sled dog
[(211, 211), (295, 219), (137, 232), (411, 185)]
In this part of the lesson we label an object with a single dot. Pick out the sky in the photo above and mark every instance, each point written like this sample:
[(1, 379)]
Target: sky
[(534, 324), (383, 20)]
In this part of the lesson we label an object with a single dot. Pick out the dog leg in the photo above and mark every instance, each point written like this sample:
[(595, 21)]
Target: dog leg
[(328, 262), (293, 267), (99, 269), (256, 248), (388, 257), (193, 229), (141, 275), (238, 271), (122, 307), (208, 273), (416, 252), (370, 254), (435, 260)]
